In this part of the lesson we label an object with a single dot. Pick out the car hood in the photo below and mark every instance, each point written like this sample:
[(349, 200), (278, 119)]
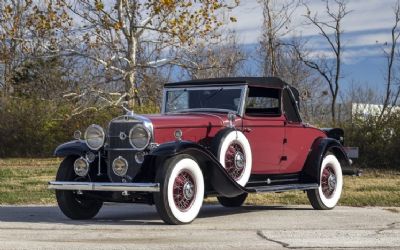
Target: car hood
[(188, 120)]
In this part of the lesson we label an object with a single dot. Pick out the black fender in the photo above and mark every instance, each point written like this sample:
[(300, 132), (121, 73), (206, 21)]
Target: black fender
[(75, 147), (312, 168), (335, 133), (214, 173)]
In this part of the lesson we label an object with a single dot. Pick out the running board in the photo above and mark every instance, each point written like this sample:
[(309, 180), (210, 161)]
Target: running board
[(282, 188)]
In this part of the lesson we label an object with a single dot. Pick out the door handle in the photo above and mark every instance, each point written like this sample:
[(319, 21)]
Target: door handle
[(247, 130)]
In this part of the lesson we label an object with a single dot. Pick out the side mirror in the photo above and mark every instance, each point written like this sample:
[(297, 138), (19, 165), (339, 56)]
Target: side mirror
[(231, 118)]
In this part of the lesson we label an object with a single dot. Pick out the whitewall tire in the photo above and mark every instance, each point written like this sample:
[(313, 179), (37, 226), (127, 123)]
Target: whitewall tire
[(331, 183), (234, 154), (182, 190)]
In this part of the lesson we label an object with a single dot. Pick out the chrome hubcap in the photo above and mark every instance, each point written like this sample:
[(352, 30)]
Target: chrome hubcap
[(332, 182), (239, 160), (188, 191)]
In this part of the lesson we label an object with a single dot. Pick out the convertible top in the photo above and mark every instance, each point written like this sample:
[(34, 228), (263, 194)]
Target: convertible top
[(272, 82), (267, 82)]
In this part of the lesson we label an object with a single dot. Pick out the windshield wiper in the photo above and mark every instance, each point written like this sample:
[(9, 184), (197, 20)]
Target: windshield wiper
[(214, 94), (176, 98)]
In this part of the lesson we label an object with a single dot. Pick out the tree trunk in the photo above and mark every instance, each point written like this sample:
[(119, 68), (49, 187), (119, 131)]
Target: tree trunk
[(333, 110), (130, 89), (131, 77)]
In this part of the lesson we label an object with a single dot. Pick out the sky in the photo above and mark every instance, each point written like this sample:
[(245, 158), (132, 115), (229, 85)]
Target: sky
[(366, 30)]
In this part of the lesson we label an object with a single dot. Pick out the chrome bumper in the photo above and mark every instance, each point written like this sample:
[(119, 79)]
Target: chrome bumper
[(104, 186)]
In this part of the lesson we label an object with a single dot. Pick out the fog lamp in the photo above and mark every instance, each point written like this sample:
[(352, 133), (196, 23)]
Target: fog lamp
[(139, 157), (120, 166), (81, 167)]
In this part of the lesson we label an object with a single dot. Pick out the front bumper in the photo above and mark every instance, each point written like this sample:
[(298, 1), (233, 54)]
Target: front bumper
[(104, 186)]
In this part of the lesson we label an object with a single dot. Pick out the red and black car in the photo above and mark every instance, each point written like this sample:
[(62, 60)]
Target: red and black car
[(214, 137)]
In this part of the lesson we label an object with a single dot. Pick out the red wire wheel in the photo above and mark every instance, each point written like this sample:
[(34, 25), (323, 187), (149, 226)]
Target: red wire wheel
[(328, 181), (235, 160), (184, 191)]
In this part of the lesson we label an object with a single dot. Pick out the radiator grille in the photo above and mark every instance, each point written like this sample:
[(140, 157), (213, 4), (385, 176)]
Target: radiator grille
[(118, 145), (133, 167), (118, 134)]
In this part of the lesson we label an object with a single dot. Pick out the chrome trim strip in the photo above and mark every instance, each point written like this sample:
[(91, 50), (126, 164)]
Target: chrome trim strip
[(104, 186), (120, 149), (243, 99)]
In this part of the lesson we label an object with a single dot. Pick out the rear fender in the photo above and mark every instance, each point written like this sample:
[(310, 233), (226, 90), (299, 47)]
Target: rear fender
[(75, 147), (215, 175), (312, 168)]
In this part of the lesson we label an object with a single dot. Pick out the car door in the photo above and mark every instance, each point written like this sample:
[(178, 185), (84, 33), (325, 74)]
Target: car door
[(263, 124), (298, 138)]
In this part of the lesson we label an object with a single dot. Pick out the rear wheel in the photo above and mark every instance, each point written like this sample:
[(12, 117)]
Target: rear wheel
[(181, 190), (236, 201), (331, 182), (74, 206)]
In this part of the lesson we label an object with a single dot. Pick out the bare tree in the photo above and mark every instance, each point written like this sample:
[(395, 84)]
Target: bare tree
[(390, 98), (331, 31), (276, 24), (279, 47), (128, 36), (221, 57)]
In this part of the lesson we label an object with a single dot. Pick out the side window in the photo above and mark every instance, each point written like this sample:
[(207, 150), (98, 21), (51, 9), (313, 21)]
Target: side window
[(263, 102), (289, 107)]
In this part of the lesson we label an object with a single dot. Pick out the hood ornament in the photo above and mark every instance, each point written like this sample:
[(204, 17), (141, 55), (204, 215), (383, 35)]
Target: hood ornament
[(128, 111)]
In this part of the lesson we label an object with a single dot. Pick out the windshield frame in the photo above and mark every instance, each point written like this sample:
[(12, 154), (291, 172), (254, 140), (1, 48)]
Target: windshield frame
[(243, 87)]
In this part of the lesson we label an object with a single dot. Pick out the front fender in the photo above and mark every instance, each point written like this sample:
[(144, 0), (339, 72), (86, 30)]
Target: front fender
[(75, 147), (312, 167), (214, 173)]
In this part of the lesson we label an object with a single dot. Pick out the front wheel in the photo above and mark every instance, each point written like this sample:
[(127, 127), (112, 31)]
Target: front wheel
[(181, 190), (331, 182), (72, 205)]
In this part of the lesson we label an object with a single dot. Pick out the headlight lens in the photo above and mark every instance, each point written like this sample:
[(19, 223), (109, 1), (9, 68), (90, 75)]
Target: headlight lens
[(120, 166), (139, 137), (94, 137), (81, 167)]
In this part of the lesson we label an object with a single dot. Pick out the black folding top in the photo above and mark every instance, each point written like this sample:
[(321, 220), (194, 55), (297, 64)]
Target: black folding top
[(272, 82)]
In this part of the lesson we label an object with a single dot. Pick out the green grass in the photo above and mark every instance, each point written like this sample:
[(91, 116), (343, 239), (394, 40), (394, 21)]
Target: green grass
[(24, 181), (373, 188)]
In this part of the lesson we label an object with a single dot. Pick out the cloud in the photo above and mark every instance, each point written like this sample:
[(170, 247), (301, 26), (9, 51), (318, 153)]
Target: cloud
[(366, 28)]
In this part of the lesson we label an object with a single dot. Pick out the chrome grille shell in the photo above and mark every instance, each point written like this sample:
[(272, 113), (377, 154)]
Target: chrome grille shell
[(118, 144)]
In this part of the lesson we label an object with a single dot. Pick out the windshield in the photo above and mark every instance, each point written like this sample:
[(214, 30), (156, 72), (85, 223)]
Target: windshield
[(192, 99)]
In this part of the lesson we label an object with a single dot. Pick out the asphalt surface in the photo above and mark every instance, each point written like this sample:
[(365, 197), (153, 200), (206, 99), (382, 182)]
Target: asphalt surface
[(129, 226)]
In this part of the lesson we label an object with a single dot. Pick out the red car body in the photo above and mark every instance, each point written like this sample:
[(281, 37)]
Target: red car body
[(215, 137), (288, 144)]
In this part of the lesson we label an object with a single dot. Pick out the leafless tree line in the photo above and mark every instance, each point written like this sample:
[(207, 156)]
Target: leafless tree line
[(97, 55)]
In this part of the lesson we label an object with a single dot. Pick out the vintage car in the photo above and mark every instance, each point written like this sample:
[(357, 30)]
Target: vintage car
[(214, 137)]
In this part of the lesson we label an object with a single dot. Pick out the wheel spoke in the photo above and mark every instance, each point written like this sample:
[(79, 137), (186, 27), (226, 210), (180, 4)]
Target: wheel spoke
[(184, 191), (235, 160), (328, 181)]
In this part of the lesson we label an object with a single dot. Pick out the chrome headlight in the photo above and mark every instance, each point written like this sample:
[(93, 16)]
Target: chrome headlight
[(94, 137), (139, 137)]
